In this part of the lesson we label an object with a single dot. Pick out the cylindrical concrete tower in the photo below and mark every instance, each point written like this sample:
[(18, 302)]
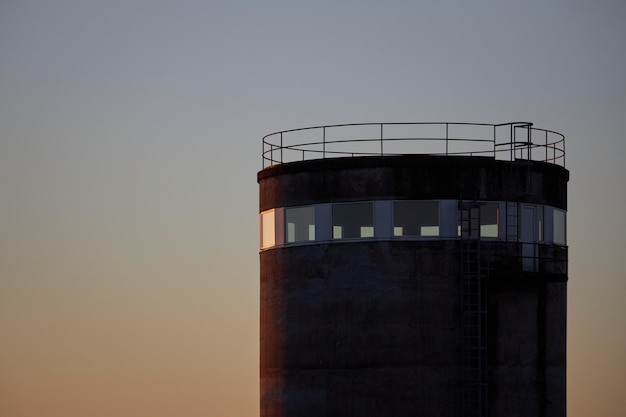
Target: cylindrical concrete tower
[(413, 269)]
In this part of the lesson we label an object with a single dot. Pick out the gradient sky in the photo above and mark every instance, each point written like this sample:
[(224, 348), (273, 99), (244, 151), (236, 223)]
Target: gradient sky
[(130, 142)]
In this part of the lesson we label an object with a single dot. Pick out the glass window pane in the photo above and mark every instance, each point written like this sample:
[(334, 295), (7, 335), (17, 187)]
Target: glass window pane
[(353, 220), (489, 220), (300, 224), (268, 237), (416, 218), (559, 227)]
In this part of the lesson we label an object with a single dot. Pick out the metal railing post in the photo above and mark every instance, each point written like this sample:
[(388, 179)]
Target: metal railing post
[(381, 139), (271, 151), (494, 141), (528, 143), (511, 140)]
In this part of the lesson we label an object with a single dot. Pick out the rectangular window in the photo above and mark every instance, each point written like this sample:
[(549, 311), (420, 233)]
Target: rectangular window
[(416, 218), (559, 227), (268, 229), (489, 216), (300, 224), (353, 220), (481, 219)]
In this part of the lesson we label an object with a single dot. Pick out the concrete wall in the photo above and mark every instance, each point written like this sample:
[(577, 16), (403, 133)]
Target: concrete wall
[(526, 343), (363, 329), (419, 177), (373, 328)]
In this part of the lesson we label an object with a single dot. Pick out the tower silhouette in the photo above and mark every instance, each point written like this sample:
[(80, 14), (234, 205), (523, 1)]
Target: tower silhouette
[(413, 269)]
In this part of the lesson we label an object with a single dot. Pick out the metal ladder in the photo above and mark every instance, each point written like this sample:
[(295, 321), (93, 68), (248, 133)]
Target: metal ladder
[(511, 222), (474, 350)]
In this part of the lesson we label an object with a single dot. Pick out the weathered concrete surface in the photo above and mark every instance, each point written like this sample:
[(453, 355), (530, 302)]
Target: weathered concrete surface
[(374, 328), (363, 329), (526, 345), (419, 177)]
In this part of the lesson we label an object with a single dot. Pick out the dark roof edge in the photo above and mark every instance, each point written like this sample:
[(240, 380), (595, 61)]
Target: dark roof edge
[(438, 161)]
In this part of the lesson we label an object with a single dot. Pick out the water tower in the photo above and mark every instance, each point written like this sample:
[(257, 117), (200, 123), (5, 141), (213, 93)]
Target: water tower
[(413, 269)]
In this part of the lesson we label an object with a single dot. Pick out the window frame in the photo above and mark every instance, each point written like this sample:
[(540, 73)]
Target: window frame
[(287, 228), (394, 216), (346, 204)]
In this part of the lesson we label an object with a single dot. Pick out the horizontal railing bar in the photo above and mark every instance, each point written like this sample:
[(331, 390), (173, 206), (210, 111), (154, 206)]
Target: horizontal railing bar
[(298, 146), (386, 124)]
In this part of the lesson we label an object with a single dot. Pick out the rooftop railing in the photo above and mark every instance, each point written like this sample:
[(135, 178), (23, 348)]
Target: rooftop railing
[(506, 141)]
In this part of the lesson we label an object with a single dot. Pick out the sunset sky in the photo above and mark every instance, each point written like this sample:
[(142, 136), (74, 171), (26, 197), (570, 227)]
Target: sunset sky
[(130, 139)]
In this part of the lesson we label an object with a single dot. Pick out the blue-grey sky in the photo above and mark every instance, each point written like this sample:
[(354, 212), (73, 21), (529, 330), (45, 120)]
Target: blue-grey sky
[(130, 141)]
